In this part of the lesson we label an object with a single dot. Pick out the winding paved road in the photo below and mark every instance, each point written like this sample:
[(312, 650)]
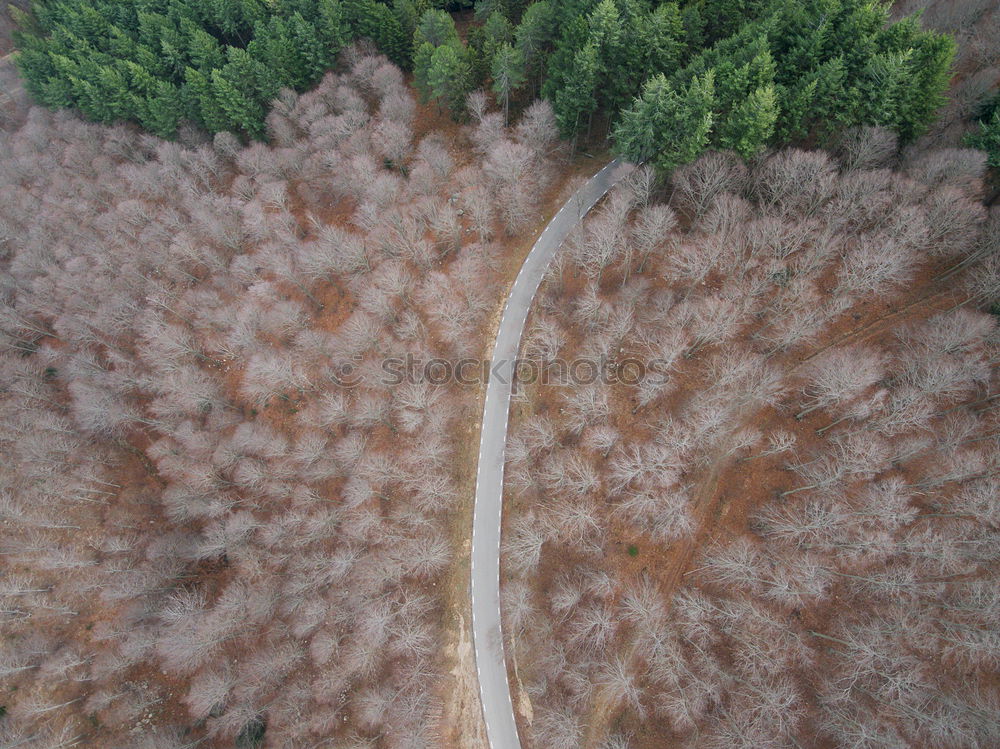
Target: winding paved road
[(494, 691)]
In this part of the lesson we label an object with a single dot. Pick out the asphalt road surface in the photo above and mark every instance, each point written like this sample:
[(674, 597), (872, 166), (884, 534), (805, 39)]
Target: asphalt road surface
[(494, 691)]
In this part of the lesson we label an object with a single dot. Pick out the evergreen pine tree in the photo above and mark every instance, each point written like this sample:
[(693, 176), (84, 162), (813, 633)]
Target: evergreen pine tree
[(250, 75), (390, 37), (497, 32), (606, 35), (236, 18), (668, 127), (242, 112), (748, 126), (368, 19), (576, 99), (408, 14), (436, 27), (202, 103), (448, 77), (664, 41), (273, 47), (533, 37), (109, 96), (882, 89), (694, 27), (422, 59), (508, 74), (484, 42), (203, 49), (634, 133), (930, 74), (41, 78), (309, 59), (331, 28), (160, 111)]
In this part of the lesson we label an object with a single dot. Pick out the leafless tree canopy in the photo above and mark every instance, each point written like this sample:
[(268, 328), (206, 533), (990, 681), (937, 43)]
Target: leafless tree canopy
[(786, 534), (205, 530)]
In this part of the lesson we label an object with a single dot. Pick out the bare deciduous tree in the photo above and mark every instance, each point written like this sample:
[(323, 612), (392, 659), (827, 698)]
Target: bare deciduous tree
[(699, 182), (841, 376)]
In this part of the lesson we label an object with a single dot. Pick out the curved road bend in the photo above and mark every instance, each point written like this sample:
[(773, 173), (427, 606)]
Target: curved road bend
[(494, 691)]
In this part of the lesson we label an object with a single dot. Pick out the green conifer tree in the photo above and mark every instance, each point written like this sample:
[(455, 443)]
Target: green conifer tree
[(331, 27), (203, 49), (748, 126), (576, 100), (242, 112), (421, 70), (664, 40), (202, 104), (449, 77), (507, 71), (668, 127), (436, 27), (160, 112), (533, 38)]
